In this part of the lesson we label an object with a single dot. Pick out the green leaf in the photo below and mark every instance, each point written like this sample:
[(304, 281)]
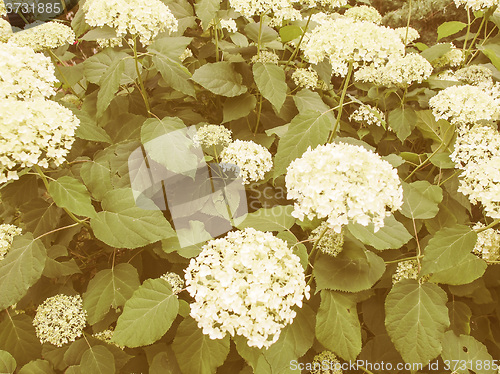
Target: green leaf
[(337, 325), (309, 100), (97, 177), (270, 80), (436, 51), (402, 121), (277, 218), (465, 352), (492, 51), (190, 342), (104, 32), (441, 132), (7, 363), (147, 315), (353, 270), (416, 318), (460, 315), (18, 337), (307, 129), (70, 193), (97, 360), (206, 10), (37, 367), (110, 82), (123, 225), (290, 32), (109, 288), (392, 236), (420, 200), (449, 28), (166, 52), (88, 129), (448, 256), (40, 217), (220, 78), (21, 268), (96, 66), (238, 107)]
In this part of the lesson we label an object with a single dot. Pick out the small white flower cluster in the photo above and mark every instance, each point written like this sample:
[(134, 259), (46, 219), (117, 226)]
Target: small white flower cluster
[(334, 39), (331, 243), (3, 10), (7, 233), (25, 74), (228, 24), (475, 75), (142, 18), (477, 152), (107, 337), (343, 182), (34, 132), (410, 37), (266, 57), (110, 43), (406, 270), (45, 36), (326, 363), (488, 243), (175, 281), (369, 115), (279, 9), (476, 4), (253, 160), (60, 319), (465, 105), (453, 58), (5, 31), (364, 13), (324, 3), (307, 78), (212, 136), (186, 54), (399, 71), (246, 283)]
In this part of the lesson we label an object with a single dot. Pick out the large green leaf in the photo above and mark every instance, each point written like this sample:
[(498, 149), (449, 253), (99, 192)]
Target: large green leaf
[(402, 121), (123, 225), (147, 315), (277, 218), (37, 367), (110, 82), (449, 28), (460, 315), (96, 66), (220, 78), (337, 325), (70, 193), (416, 317), (309, 100), (206, 10), (40, 217), (392, 236), (7, 363), (166, 52), (97, 360), (421, 200), (18, 337), (190, 343), (464, 354), (307, 129), (448, 256), (88, 128), (21, 268), (353, 270), (270, 80), (109, 288), (441, 131), (238, 107)]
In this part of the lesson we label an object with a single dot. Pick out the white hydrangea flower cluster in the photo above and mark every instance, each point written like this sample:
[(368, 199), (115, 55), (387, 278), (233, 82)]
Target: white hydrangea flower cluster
[(453, 58), (331, 243), (326, 363), (406, 270), (364, 13), (476, 4), (253, 160), (34, 132), (60, 319), (475, 145), (412, 34), (344, 183), (488, 243), (475, 75), (175, 281), (142, 18), (5, 31), (369, 115), (45, 36), (266, 57), (25, 74), (7, 233), (399, 71), (279, 9), (3, 10), (307, 78), (212, 135), (246, 283), (464, 105), (334, 39)]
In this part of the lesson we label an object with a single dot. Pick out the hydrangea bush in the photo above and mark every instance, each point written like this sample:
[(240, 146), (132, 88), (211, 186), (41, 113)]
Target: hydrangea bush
[(350, 169)]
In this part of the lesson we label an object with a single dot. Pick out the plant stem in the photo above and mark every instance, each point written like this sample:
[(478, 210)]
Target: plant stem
[(299, 43), (259, 112), (403, 260), (474, 40), (259, 37), (314, 250), (494, 223), (216, 35), (408, 22), (341, 104), (468, 31), (139, 76)]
